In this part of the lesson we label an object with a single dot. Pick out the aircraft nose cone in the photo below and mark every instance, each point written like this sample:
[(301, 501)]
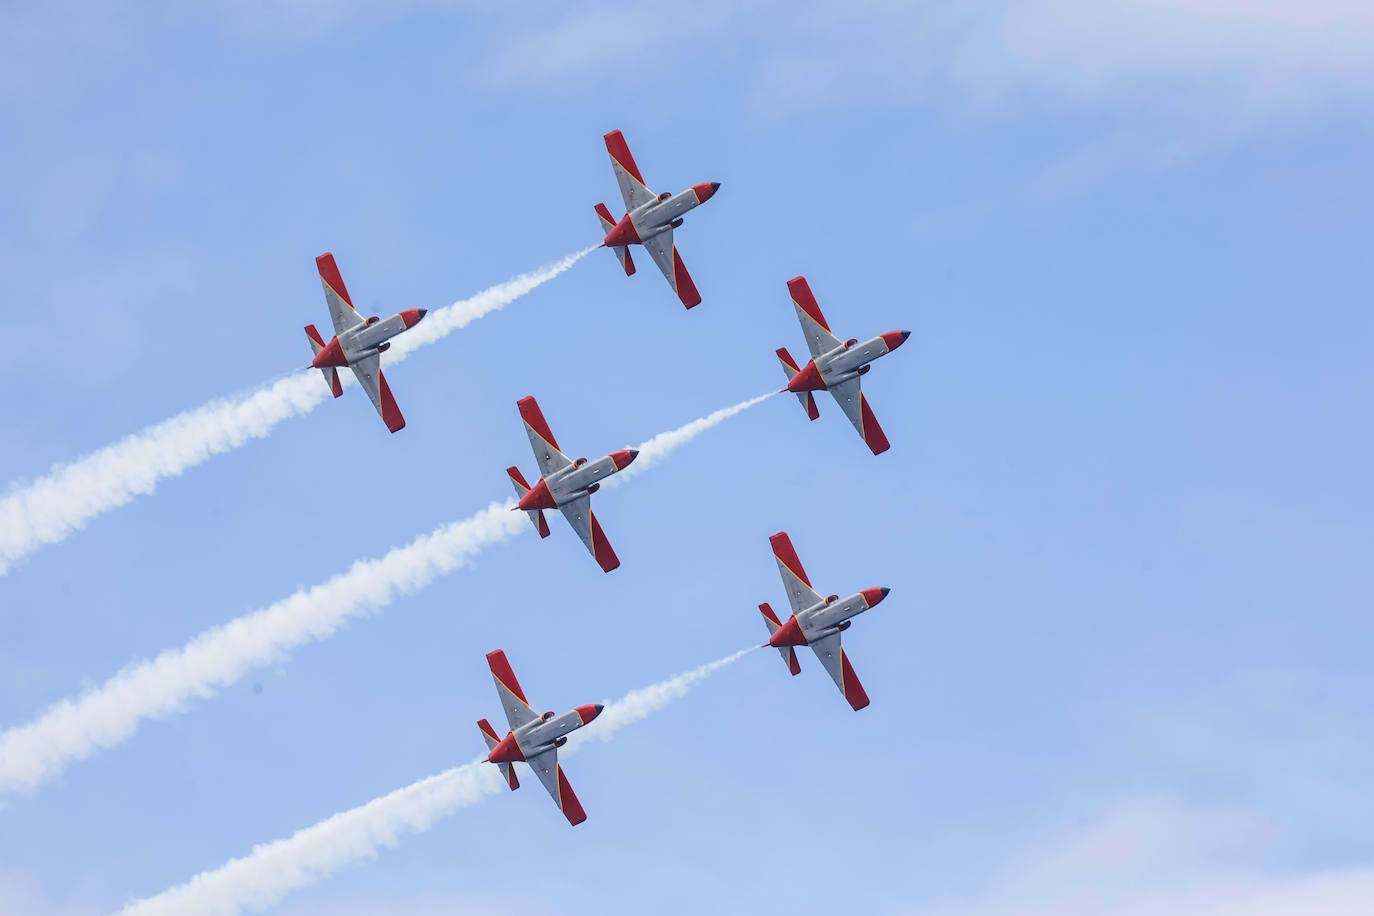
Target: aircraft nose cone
[(623, 458), (589, 712), (873, 596), (895, 339), (424, 312), (706, 190)]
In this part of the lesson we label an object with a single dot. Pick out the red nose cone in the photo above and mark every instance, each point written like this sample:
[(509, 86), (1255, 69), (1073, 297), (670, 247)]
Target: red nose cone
[(331, 355), (623, 457), (589, 712), (873, 595), (789, 634), (706, 190), (623, 234), (895, 339), (507, 751), (412, 317)]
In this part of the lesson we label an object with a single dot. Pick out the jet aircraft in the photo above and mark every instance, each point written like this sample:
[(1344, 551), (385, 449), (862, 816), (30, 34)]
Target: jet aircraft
[(835, 366), (650, 219), (533, 738), (357, 343), (565, 485), (816, 622)]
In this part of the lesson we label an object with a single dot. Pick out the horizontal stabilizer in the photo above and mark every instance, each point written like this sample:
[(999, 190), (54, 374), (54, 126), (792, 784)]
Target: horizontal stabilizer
[(788, 653), (537, 519), (807, 398), (331, 374), (507, 769), (627, 263)]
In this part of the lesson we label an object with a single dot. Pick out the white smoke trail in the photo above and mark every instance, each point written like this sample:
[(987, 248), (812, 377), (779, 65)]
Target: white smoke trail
[(110, 713), (271, 871), (46, 510), (661, 446)]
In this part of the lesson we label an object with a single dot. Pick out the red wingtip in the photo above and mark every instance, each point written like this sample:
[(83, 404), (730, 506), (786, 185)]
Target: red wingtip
[(534, 417), (391, 414), (514, 474), (682, 282), (542, 525), (620, 152), (895, 339), (873, 433), (329, 273), (801, 295), (769, 614), (853, 690), (787, 555), (501, 670), (314, 334), (786, 358), (572, 808), (601, 548)]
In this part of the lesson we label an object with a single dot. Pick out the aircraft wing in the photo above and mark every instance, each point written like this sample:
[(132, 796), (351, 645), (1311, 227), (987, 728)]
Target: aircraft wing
[(664, 253), (546, 767), (545, 446), (851, 399), (341, 310), (832, 656), (368, 369), (818, 335), (580, 515), (512, 698), (632, 186), (799, 591)]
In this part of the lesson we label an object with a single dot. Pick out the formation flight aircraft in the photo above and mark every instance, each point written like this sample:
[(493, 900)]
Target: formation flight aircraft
[(565, 485), (357, 343), (533, 738), (816, 622), (650, 219), (835, 366)]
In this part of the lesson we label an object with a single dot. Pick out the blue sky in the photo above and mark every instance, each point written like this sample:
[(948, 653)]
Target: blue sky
[(1126, 515)]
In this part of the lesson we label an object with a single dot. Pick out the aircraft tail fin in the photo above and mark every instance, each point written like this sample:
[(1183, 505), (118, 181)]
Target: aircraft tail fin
[(621, 252), (807, 398), (541, 524), (331, 374), (788, 653), (507, 769)]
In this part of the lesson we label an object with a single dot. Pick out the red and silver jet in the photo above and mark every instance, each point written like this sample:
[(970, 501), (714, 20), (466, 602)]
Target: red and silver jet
[(816, 622), (357, 343), (533, 738), (565, 484), (650, 219), (836, 366)]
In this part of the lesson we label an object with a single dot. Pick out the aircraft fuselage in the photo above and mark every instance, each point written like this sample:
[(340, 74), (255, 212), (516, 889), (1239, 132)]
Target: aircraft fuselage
[(658, 216), (847, 361), (355, 343), (542, 734)]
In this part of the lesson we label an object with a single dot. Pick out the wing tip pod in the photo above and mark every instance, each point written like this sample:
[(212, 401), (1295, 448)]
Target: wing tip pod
[(329, 273), (534, 419), (601, 548), (803, 299), (504, 674), (786, 554)]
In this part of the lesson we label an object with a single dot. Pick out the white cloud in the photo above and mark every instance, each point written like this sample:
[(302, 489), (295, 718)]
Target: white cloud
[(1145, 858)]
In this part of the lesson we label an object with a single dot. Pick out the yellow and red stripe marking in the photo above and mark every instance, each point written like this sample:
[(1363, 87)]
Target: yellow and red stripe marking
[(567, 801), (853, 690), (391, 414), (620, 152), (682, 282), (787, 556), (873, 433), (534, 419), (802, 298), (329, 273), (601, 548), (501, 670)]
